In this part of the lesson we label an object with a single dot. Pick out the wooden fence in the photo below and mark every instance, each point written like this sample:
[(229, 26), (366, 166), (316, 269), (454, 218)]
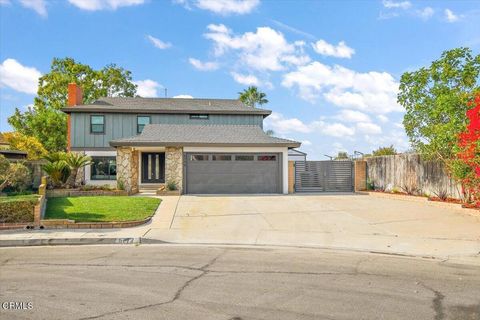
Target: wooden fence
[(409, 172)]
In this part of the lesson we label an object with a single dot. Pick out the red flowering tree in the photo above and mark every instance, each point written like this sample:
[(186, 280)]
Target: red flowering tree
[(466, 168)]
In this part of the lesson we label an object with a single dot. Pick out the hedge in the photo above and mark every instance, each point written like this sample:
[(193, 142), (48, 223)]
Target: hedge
[(17, 209)]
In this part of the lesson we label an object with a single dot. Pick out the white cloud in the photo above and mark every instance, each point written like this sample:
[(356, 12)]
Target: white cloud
[(369, 128), (283, 125), (264, 50), (5, 2), (352, 116), (147, 88), (221, 7), (306, 143), (341, 50), (396, 5), (450, 16), (334, 129), (203, 66), (39, 6), (94, 5), (280, 124), (382, 118), (248, 80), (373, 92), (425, 13), (18, 77), (158, 43), (183, 96)]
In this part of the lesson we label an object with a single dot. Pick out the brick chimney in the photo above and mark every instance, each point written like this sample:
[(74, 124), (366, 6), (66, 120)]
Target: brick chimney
[(75, 95), (75, 98)]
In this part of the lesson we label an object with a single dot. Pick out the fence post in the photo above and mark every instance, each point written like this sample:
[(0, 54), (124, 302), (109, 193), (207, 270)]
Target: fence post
[(360, 175)]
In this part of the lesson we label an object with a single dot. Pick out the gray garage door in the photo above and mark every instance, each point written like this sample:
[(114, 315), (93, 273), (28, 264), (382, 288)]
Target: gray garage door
[(228, 173)]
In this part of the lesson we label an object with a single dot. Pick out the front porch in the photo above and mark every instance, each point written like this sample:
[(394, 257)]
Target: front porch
[(149, 168)]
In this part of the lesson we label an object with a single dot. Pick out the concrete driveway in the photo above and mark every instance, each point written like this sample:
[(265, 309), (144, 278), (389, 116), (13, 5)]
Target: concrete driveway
[(349, 221)]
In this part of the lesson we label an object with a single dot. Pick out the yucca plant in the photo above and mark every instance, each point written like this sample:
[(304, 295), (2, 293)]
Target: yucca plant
[(75, 161)]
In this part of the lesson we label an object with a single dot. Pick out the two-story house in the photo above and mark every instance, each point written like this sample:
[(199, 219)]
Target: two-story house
[(204, 146)]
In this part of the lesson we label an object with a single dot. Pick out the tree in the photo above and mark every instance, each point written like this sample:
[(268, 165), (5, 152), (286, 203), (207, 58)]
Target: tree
[(342, 155), (75, 161), (13, 174), (251, 97), (384, 151), (270, 132), (435, 99), (31, 145), (465, 168), (57, 168), (45, 121)]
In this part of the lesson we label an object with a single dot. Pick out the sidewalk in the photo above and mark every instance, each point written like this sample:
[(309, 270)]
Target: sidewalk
[(325, 222)]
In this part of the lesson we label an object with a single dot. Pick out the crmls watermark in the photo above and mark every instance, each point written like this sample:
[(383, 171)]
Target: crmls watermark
[(15, 305)]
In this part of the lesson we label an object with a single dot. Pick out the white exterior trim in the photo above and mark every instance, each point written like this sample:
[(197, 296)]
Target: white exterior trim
[(88, 169), (282, 150)]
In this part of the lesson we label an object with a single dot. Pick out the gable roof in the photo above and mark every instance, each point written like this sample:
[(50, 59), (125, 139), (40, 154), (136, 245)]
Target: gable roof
[(167, 105), (203, 135)]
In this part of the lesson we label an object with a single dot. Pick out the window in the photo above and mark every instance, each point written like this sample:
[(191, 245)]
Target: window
[(199, 116), (221, 157), (97, 124), (199, 157), (267, 158), (244, 158), (142, 121), (103, 168)]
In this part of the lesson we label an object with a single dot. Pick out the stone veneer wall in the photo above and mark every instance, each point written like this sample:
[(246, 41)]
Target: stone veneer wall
[(127, 169), (174, 166)]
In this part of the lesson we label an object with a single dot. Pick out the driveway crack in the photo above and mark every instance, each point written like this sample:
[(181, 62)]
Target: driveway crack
[(437, 302)]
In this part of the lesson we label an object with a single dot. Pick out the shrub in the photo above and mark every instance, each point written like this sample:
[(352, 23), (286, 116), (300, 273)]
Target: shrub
[(13, 174), (76, 161), (17, 209), (171, 186)]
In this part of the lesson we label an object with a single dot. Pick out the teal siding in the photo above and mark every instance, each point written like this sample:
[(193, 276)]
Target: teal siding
[(119, 125)]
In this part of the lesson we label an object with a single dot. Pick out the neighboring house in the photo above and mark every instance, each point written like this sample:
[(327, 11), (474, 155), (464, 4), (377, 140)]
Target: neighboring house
[(296, 155), (201, 145), (10, 154)]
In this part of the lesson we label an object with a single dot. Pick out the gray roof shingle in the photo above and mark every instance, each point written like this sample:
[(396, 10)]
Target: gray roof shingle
[(167, 105), (200, 135)]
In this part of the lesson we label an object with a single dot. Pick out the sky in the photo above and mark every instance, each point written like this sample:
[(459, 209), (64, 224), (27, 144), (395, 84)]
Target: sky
[(330, 69)]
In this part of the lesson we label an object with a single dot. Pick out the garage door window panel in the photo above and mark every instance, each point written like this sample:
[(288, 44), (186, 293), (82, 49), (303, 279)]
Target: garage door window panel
[(244, 158), (199, 157), (267, 158), (221, 157)]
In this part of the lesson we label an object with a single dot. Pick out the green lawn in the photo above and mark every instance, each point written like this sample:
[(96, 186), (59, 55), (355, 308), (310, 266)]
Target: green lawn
[(101, 209)]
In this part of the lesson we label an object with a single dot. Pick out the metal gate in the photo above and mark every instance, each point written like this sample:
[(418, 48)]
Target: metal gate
[(324, 176)]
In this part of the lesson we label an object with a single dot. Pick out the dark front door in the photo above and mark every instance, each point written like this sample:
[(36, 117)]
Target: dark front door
[(153, 167)]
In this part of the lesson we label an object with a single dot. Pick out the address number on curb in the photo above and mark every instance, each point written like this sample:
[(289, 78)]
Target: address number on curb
[(124, 241)]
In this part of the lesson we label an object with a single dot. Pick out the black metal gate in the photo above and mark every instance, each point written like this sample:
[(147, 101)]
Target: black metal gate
[(324, 176)]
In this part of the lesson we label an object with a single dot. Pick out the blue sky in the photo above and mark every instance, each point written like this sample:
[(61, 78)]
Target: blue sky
[(330, 68)]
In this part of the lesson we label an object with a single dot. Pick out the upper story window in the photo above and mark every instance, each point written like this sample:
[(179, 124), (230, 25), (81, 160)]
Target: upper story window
[(142, 121), (199, 116), (97, 124)]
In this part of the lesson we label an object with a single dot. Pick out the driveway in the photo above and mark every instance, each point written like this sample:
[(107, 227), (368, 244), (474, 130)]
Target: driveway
[(347, 221)]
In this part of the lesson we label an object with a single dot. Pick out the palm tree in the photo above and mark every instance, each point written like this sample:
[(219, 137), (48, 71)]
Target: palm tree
[(270, 132), (251, 97), (75, 161)]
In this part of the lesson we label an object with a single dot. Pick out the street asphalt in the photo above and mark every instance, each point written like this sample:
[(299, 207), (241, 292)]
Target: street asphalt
[(231, 282)]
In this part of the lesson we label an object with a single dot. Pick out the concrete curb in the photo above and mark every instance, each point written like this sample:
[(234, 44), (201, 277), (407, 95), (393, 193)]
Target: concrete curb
[(67, 241)]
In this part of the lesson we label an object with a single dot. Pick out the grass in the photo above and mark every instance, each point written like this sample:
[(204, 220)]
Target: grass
[(32, 197), (101, 209)]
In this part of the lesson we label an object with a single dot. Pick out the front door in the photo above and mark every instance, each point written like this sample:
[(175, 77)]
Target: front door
[(153, 167)]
